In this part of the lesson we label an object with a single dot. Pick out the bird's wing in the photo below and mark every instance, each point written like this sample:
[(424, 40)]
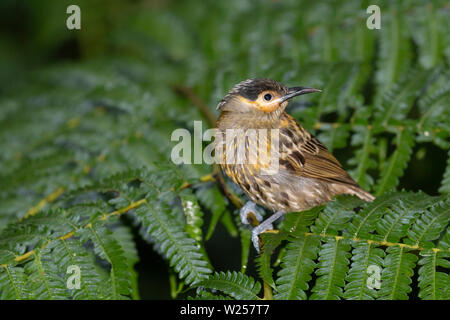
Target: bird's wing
[(303, 155)]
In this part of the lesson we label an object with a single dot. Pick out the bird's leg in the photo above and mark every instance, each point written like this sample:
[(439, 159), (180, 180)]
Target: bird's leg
[(247, 210), (264, 226)]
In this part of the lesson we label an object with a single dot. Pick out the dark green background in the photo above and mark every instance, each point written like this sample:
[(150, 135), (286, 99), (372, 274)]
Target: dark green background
[(200, 44)]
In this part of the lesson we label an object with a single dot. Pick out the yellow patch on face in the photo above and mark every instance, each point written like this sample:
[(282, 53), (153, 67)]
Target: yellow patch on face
[(262, 104), (268, 107)]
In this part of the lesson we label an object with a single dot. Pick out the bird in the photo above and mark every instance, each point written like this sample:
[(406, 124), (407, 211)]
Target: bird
[(276, 162)]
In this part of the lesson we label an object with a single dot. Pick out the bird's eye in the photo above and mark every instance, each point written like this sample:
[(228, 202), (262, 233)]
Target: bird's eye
[(267, 97)]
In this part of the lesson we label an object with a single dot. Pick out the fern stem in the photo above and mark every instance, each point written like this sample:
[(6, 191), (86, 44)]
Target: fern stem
[(434, 273), (397, 273), (42, 272), (268, 295), (206, 178), (330, 279), (366, 265), (48, 199), (11, 279), (380, 243)]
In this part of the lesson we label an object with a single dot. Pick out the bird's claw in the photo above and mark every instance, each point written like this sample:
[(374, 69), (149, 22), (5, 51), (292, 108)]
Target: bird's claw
[(256, 232), (249, 208)]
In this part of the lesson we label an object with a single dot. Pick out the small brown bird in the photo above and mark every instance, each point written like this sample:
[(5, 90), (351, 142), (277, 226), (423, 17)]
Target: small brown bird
[(305, 174)]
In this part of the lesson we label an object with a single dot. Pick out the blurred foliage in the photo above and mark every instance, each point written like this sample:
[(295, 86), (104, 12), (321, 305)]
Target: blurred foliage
[(85, 129)]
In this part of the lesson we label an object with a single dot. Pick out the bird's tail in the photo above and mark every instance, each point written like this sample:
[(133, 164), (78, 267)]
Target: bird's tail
[(363, 195), (353, 190)]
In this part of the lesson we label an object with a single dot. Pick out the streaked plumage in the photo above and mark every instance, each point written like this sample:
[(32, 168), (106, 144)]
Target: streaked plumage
[(308, 175)]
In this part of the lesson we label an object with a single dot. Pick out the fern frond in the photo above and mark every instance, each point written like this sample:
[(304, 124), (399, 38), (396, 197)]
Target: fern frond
[(430, 224), (235, 284), (433, 284), (364, 222), (364, 255), (206, 295), (337, 89), (71, 252), (176, 245), (245, 235), (193, 213), (297, 265), (332, 269), (297, 223), (263, 261), (364, 140), (445, 184), (124, 236), (397, 162), (109, 249), (395, 53), (429, 34), (401, 214), (334, 136), (333, 218), (43, 277), (433, 124), (398, 100), (396, 275), (13, 283)]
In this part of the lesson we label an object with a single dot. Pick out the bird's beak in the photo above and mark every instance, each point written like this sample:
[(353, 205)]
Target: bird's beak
[(296, 91)]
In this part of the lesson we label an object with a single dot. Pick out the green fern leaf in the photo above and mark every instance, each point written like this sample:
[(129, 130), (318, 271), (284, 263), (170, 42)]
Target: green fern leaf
[(235, 284), (401, 213), (364, 222), (332, 269), (396, 275), (364, 255), (398, 100), (263, 261), (396, 164), (364, 140), (193, 213), (395, 52), (433, 125), (44, 279), (333, 218), (206, 295), (72, 253), (297, 223), (176, 245), (109, 249), (433, 284), (429, 34), (13, 283), (445, 184), (297, 265), (429, 225), (124, 236), (334, 137)]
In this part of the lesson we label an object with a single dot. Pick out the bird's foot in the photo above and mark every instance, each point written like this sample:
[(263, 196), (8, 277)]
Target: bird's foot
[(249, 213), (263, 227)]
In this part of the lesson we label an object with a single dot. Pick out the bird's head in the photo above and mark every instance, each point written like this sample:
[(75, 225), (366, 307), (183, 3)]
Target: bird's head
[(260, 96)]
